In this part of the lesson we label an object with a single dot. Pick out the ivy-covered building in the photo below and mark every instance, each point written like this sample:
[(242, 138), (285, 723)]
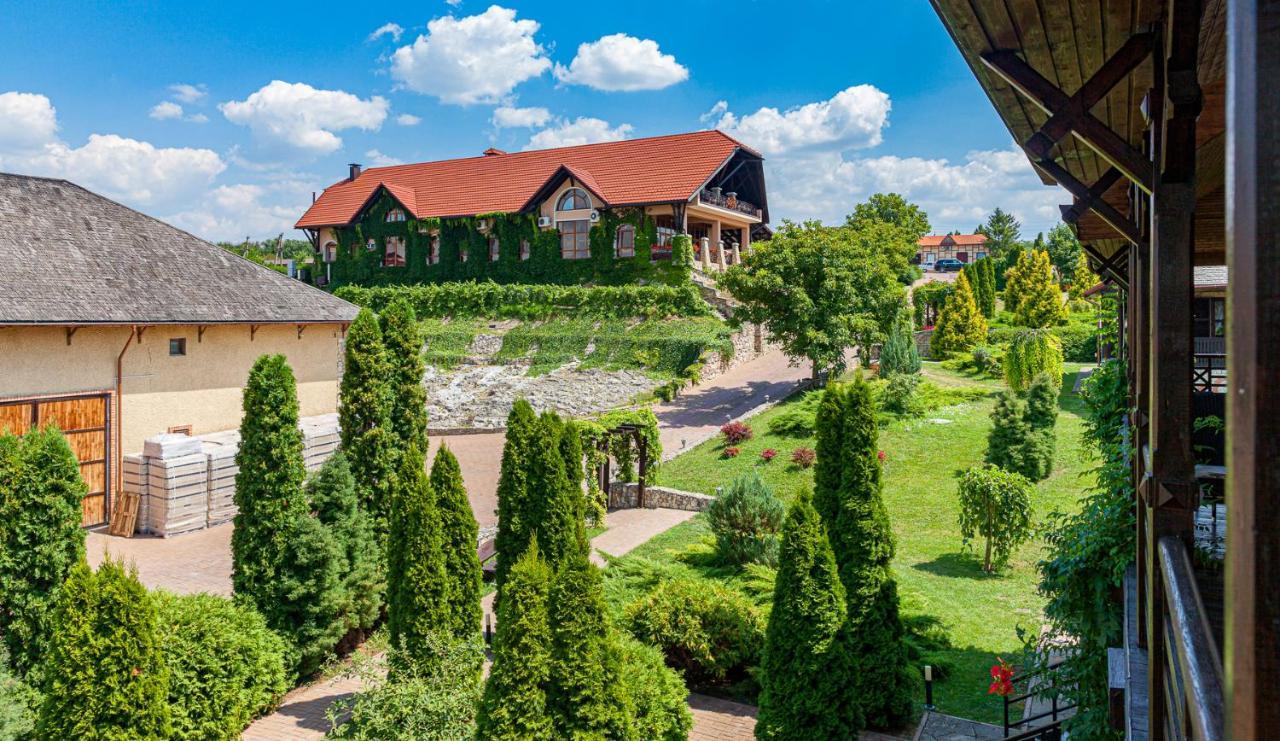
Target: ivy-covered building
[(605, 213)]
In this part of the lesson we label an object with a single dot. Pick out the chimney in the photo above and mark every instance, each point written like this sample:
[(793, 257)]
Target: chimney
[(492, 151), (354, 171)]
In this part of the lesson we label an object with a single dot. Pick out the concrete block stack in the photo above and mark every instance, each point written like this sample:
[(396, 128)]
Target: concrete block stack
[(220, 449), (320, 439), (177, 494)]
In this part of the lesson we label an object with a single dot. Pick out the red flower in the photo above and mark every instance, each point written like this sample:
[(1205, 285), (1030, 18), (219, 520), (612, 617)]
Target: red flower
[(880, 455), (736, 432), (730, 452), (767, 454), (1001, 678), (803, 457)]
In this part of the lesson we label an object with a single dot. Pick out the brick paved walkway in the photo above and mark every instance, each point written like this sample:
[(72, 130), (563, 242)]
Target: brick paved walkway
[(715, 719)]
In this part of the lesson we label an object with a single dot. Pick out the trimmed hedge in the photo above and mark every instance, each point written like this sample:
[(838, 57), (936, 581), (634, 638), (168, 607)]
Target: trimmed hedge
[(530, 301)]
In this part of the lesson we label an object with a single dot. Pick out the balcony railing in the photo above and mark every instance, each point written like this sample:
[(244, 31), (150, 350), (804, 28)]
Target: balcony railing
[(1192, 672), (730, 201)]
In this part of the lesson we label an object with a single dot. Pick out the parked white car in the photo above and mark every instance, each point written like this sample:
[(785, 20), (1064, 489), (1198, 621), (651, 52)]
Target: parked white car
[(927, 266)]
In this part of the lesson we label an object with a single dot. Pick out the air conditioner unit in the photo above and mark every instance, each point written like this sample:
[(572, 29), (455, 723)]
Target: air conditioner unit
[(595, 216), (544, 222)]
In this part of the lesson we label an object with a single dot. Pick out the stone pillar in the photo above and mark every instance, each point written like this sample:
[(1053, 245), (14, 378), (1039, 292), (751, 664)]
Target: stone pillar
[(746, 239), (718, 240), (737, 254), (704, 253), (720, 255)]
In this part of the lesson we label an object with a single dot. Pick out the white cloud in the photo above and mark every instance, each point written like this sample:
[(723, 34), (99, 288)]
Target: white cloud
[(476, 59), (506, 117), (715, 112), (854, 118), (619, 62), (166, 110), (378, 159), (582, 130), (304, 118), (453, 3), (27, 120), (408, 119), (394, 30), (233, 212), (186, 93), (198, 118)]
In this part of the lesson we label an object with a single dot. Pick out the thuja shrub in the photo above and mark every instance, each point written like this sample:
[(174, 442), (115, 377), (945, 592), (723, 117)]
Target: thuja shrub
[(736, 432), (656, 694), (710, 632), (17, 700), (225, 666), (746, 520)]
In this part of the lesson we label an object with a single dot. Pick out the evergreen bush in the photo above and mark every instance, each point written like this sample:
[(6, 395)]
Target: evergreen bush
[(555, 511), (847, 495), (308, 599), (746, 520), (104, 674), (18, 701), (402, 337), (514, 499), (225, 666), (417, 585), (960, 324), (364, 416), (901, 396), (1033, 352), (458, 534), (1006, 442), (333, 496), (656, 695), (41, 538), (899, 353), (995, 505), (1042, 416), (796, 418), (803, 646), (515, 706), (1040, 298)]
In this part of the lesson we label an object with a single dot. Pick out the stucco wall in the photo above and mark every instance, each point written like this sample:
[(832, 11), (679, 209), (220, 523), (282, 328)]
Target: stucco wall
[(201, 389)]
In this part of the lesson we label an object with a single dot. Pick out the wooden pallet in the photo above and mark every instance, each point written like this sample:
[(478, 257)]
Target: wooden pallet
[(124, 515)]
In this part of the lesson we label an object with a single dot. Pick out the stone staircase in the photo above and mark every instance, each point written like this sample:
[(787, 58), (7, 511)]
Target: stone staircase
[(719, 300)]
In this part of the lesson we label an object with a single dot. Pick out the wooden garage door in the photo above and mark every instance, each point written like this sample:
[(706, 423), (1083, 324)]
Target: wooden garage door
[(83, 419)]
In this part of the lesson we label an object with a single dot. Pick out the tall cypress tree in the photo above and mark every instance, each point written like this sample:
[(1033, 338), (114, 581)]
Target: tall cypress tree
[(514, 707), (364, 415), (458, 531), (803, 647), (584, 698), (269, 494), (334, 498), (899, 353), (513, 490), (989, 290), (847, 495), (555, 502), (403, 340), (40, 536), (417, 587), (571, 451), (105, 675)]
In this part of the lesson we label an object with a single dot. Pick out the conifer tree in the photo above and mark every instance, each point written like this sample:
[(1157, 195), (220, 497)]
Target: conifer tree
[(1041, 417), (803, 647), (988, 275), (40, 537), (513, 490), (334, 498), (1041, 303), (555, 511), (1033, 352), (307, 599), (585, 699), (899, 353), (403, 340), (1016, 282), (514, 707), (417, 586), (960, 325), (571, 451), (458, 532), (1082, 278), (1009, 431), (104, 675), (269, 494), (847, 495), (364, 415)]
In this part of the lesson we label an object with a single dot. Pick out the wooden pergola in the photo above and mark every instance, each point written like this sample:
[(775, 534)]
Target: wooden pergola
[(1154, 117)]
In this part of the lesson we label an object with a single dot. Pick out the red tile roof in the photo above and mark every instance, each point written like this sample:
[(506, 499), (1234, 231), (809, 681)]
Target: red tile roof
[(652, 170), (934, 240)]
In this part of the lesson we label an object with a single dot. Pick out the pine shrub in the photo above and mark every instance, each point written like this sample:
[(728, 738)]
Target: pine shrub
[(333, 496), (1042, 417), (364, 415), (225, 666), (514, 706), (746, 520), (458, 533), (1040, 298), (655, 694), (848, 497), (901, 396), (105, 674), (417, 585), (1033, 352), (1006, 442), (403, 339), (308, 599), (803, 646), (18, 701), (960, 325), (899, 353), (995, 505), (40, 537)]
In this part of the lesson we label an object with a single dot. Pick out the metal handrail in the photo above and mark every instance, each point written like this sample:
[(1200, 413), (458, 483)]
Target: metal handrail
[(1193, 644)]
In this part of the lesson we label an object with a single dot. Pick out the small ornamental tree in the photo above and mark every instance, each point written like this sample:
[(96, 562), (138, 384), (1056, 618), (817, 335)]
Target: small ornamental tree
[(458, 532), (746, 520), (803, 646), (417, 586), (1040, 303), (40, 537), (1033, 352), (335, 500), (403, 339), (364, 415), (899, 353), (585, 698), (269, 494), (847, 494), (960, 325), (1006, 441), (513, 490), (514, 707), (995, 505), (104, 674)]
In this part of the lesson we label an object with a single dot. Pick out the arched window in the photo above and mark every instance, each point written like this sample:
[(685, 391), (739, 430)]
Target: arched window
[(493, 249), (395, 214), (624, 242), (573, 200)]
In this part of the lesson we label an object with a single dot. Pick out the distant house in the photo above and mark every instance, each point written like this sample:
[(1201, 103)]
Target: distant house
[(963, 247), (117, 327), (602, 213)]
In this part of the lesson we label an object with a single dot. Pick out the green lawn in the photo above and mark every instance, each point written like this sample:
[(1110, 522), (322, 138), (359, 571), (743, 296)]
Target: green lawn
[(939, 582)]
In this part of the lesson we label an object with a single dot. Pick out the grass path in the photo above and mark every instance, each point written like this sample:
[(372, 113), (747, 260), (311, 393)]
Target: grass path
[(938, 580)]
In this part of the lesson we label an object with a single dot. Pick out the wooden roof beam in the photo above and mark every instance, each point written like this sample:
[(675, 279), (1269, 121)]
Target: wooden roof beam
[(1068, 113), (1071, 214), (1083, 193), (1115, 267)]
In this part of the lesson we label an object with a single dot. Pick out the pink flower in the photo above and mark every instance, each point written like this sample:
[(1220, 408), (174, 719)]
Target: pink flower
[(880, 455)]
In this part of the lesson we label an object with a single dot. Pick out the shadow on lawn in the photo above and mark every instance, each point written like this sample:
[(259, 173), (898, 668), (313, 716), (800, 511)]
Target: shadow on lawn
[(961, 565)]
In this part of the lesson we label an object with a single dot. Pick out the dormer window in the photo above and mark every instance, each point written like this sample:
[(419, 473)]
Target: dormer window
[(493, 249), (395, 215), (573, 199), (624, 242)]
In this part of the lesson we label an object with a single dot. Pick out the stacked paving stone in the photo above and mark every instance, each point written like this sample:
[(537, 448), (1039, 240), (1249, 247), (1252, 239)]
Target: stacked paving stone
[(320, 439), (220, 452)]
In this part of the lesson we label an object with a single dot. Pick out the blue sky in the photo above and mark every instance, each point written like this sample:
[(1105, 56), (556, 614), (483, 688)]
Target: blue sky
[(224, 117)]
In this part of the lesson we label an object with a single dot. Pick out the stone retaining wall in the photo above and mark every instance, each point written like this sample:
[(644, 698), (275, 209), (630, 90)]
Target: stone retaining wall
[(624, 495)]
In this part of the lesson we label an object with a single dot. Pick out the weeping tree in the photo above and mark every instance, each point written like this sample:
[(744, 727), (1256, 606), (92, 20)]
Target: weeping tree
[(1033, 352), (995, 506), (364, 415)]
